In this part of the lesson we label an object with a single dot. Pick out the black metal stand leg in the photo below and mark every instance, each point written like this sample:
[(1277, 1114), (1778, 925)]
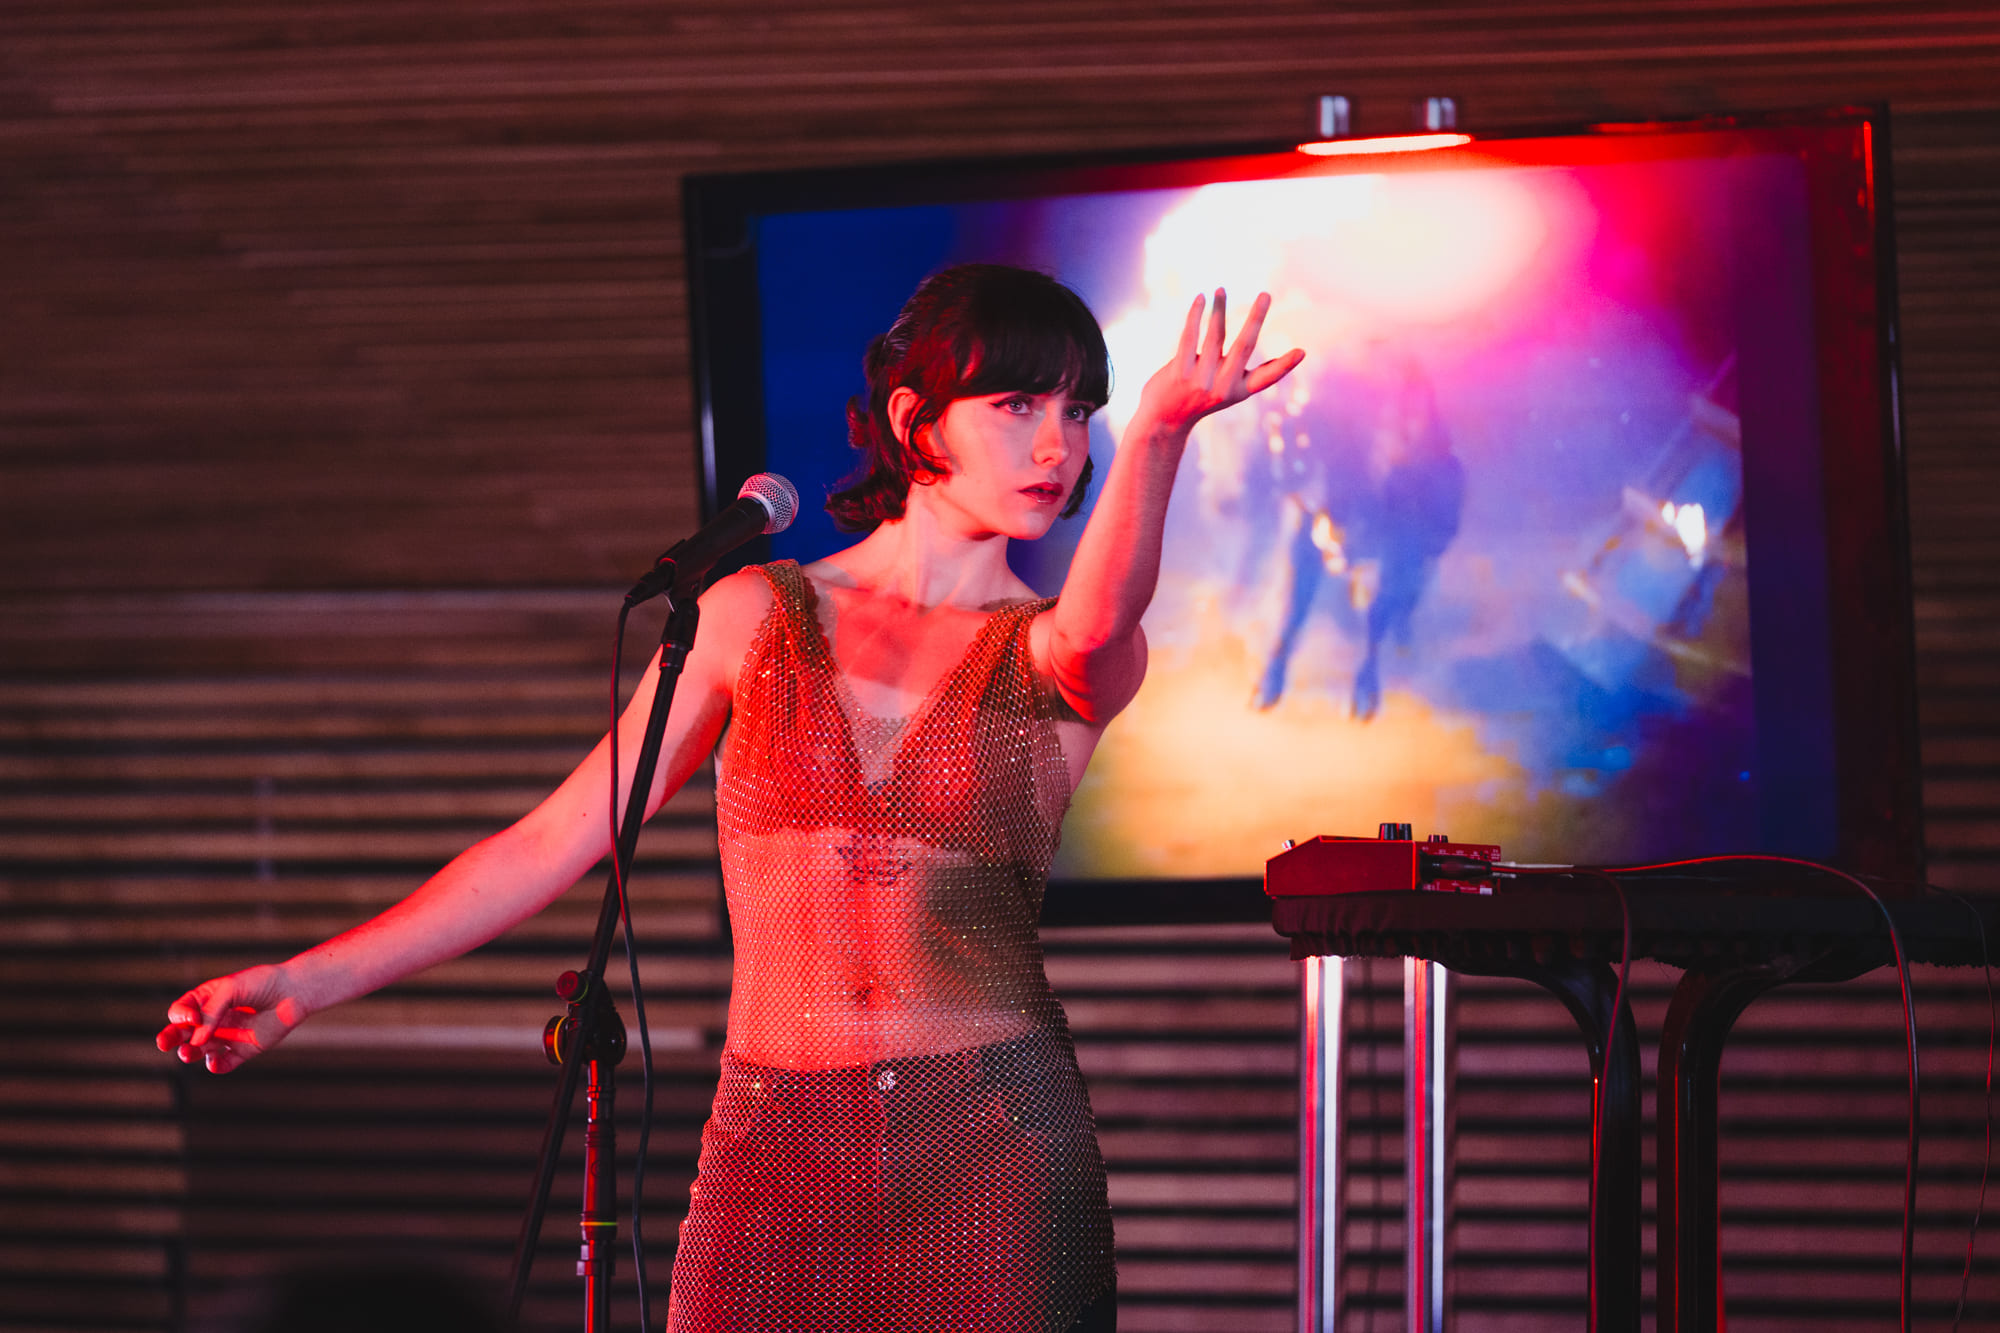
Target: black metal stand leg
[(1588, 990), (1705, 1006)]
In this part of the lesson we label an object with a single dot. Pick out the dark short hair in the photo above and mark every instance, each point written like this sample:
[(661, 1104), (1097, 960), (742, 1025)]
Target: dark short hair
[(966, 331)]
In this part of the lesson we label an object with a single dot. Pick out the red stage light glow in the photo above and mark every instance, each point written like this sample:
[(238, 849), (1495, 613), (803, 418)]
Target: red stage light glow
[(1393, 143)]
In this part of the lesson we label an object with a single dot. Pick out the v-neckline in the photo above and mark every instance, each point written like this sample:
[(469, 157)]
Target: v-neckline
[(890, 760)]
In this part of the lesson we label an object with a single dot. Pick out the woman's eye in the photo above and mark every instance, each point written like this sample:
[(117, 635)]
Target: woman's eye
[(1018, 406), (1081, 411)]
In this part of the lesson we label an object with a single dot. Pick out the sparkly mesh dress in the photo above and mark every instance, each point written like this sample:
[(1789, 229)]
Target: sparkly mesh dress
[(901, 1142)]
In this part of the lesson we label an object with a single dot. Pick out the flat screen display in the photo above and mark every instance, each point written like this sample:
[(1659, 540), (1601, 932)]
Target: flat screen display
[(1535, 547)]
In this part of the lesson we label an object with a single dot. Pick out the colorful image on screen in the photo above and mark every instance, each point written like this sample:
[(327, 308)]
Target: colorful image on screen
[(1482, 565)]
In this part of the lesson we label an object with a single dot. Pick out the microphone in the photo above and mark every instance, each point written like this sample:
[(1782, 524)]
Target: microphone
[(767, 503)]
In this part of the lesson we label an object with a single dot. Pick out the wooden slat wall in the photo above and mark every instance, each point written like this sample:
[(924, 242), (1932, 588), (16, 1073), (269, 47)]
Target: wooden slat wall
[(344, 367)]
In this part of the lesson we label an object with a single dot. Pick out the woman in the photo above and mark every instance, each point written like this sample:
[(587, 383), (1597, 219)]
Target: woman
[(900, 1140)]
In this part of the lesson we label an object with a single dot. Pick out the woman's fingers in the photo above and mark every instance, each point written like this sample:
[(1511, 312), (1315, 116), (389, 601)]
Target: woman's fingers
[(1246, 338), (223, 1054), (224, 1041), (1264, 375), (1211, 347), (1203, 378), (221, 1060), (218, 1054), (225, 1022), (196, 1013), (1184, 354), (1224, 370)]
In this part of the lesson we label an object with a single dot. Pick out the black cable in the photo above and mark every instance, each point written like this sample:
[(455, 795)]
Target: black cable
[(1986, 1158), (1909, 1031), (618, 869), (1604, 1077)]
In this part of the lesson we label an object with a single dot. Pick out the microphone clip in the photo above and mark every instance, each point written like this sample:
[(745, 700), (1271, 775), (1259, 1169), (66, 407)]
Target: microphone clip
[(655, 582)]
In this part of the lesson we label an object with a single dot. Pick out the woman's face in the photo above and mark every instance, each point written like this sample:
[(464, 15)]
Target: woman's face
[(1012, 460)]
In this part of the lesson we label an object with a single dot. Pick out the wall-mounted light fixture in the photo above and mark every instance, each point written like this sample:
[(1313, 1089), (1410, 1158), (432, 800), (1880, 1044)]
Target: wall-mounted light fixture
[(1437, 116), (1335, 116), (1436, 113)]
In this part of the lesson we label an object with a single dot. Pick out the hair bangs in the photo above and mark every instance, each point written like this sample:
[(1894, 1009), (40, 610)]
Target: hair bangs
[(1038, 340)]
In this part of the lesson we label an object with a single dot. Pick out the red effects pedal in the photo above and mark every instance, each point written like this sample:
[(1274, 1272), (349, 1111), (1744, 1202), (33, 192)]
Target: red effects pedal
[(1328, 865)]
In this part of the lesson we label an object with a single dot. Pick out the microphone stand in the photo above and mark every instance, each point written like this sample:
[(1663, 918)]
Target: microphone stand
[(589, 1032)]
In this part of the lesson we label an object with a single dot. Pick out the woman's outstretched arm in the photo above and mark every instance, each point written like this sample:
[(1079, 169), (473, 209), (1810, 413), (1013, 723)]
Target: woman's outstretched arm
[(494, 884), (1095, 651)]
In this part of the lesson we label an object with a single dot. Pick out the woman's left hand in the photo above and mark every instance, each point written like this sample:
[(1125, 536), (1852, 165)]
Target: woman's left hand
[(1202, 378)]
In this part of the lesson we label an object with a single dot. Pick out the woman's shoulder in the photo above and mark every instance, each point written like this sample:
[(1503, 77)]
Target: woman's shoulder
[(734, 612), (745, 597), (736, 606)]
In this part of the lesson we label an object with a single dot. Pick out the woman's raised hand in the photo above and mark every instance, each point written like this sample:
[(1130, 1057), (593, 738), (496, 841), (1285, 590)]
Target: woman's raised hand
[(1202, 378), (231, 1019)]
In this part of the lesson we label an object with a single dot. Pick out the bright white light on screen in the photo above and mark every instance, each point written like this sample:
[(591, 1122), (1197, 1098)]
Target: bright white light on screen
[(1331, 541), (1690, 525), (1346, 258)]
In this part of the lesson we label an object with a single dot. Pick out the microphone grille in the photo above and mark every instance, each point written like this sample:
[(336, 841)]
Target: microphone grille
[(779, 497)]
